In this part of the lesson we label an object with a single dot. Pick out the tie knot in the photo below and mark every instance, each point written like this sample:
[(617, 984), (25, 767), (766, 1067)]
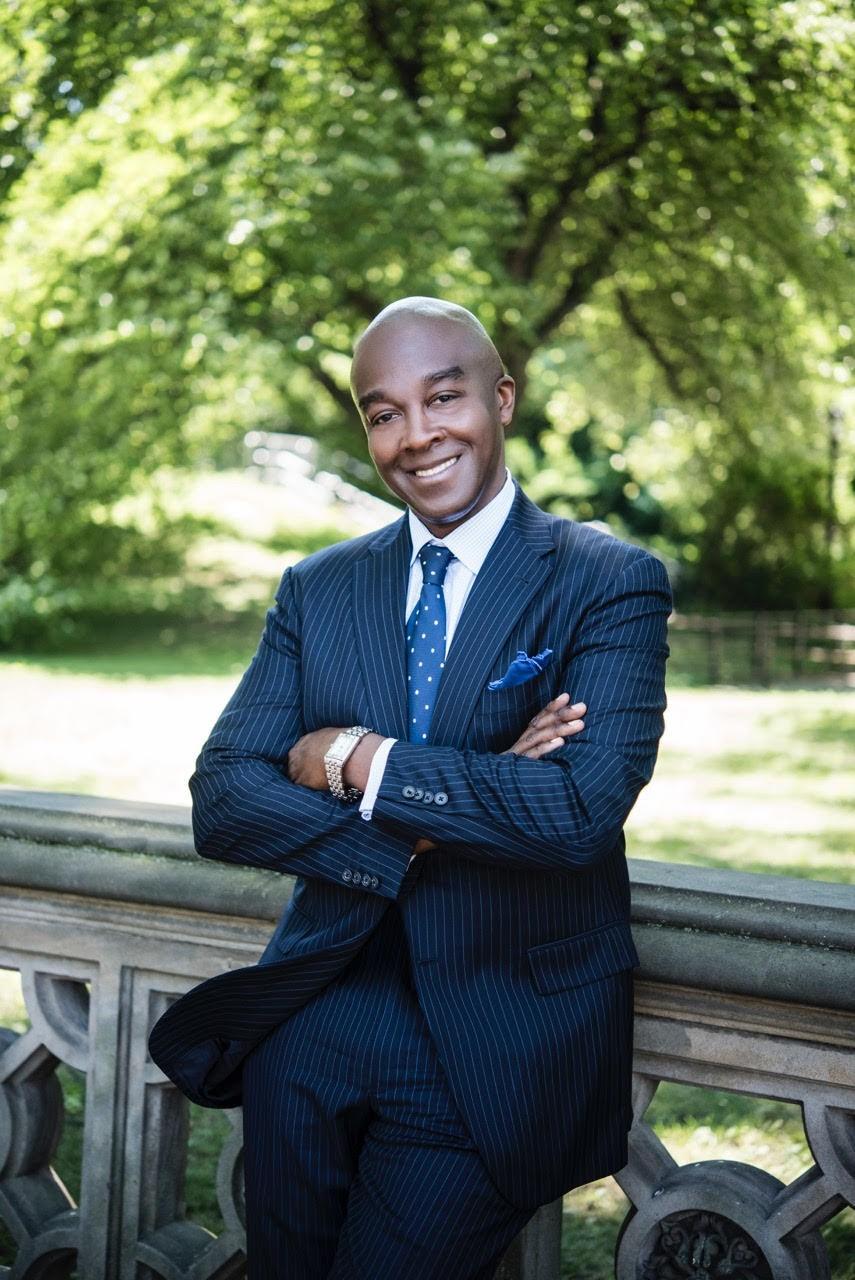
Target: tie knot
[(435, 560)]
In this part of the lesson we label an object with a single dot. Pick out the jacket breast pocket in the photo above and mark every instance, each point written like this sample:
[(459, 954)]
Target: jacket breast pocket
[(582, 958), (504, 714)]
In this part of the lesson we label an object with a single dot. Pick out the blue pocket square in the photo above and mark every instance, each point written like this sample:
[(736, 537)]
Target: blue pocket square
[(521, 669)]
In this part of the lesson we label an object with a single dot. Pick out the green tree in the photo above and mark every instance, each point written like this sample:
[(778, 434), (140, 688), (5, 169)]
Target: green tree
[(644, 203)]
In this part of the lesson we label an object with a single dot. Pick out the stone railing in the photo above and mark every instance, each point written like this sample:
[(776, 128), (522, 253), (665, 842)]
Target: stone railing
[(747, 984)]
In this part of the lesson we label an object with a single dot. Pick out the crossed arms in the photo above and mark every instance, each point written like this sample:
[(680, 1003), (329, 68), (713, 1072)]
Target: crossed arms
[(562, 811)]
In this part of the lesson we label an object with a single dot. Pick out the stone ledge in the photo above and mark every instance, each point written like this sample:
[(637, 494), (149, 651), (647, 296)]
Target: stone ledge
[(773, 937)]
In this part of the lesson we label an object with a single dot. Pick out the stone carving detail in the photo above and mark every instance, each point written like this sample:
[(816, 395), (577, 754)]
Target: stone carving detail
[(723, 1220), (34, 1204), (703, 1246), (136, 1124)]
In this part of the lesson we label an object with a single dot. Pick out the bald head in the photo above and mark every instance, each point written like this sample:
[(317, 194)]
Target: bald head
[(409, 315), (435, 402)]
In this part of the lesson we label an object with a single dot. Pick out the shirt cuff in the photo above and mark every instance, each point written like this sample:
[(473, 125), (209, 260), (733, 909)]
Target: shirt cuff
[(375, 777)]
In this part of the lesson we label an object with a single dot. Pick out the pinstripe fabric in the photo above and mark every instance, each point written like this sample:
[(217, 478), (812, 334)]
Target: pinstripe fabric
[(358, 1163), (518, 924)]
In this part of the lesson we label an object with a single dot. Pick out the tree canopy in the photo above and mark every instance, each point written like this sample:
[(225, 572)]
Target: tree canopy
[(644, 203)]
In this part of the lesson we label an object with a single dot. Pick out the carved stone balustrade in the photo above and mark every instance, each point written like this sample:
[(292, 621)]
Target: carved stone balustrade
[(747, 984)]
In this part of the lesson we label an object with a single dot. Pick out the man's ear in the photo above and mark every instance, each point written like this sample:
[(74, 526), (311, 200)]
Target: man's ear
[(506, 392)]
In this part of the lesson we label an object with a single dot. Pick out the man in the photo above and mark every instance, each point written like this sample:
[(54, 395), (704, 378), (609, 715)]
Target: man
[(438, 1037)]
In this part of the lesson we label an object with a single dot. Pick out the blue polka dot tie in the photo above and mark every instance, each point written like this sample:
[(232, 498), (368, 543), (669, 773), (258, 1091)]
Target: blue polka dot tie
[(426, 641)]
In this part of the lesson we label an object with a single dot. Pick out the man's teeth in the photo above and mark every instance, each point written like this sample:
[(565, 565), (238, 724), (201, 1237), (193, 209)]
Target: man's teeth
[(441, 466)]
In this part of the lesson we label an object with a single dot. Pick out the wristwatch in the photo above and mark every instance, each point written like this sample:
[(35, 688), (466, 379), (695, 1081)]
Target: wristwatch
[(339, 750)]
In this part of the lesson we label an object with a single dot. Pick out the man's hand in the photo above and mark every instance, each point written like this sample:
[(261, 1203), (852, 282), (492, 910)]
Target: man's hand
[(305, 761), (546, 731), (549, 728)]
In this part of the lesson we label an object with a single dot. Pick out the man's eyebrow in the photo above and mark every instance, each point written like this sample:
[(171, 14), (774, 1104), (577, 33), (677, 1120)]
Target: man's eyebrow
[(453, 373), (370, 397)]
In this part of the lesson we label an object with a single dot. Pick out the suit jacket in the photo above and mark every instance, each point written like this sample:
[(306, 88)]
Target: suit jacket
[(518, 923)]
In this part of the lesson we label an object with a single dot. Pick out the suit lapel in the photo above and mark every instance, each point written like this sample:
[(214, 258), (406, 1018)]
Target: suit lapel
[(515, 570), (379, 587)]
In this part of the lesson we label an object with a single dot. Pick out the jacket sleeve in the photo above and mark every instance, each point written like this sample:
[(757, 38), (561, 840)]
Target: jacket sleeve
[(245, 808), (566, 809)]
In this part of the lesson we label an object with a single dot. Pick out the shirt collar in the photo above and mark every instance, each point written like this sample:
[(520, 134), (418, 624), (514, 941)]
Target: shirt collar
[(471, 541)]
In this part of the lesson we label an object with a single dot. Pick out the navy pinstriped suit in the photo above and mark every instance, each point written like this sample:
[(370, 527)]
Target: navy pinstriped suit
[(516, 928)]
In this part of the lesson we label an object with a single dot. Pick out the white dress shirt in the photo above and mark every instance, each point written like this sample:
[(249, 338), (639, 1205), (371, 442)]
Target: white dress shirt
[(470, 543)]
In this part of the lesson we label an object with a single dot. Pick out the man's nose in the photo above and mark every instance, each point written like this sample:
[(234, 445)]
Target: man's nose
[(419, 429)]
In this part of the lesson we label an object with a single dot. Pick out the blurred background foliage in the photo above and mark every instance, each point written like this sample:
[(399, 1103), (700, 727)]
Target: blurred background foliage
[(202, 204)]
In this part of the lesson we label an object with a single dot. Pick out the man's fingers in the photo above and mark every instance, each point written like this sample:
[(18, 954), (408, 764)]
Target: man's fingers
[(536, 741), (551, 727), (558, 709), (534, 737), (545, 720), (555, 703)]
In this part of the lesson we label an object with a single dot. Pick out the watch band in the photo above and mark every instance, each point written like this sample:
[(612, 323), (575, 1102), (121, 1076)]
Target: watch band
[(338, 752)]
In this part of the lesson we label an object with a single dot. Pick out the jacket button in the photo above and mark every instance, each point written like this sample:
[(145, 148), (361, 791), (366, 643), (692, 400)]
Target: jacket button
[(418, 793), (427, 797), (440, 798), (408, 792), (374, 882), (347, 875)]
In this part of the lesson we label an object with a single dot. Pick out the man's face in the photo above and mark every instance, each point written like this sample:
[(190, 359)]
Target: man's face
[(433, 399)]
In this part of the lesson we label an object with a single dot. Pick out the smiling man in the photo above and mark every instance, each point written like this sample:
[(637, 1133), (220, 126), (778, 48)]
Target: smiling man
[(438, 1036), (435, 434)]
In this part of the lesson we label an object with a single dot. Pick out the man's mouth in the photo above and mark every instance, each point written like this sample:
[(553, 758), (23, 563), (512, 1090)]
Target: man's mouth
[(437, 469)]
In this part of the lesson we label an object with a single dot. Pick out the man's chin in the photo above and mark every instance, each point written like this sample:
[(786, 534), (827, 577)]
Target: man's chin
[(451, 511)]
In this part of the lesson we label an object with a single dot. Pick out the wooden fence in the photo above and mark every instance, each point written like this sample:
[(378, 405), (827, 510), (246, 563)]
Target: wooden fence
[(764, 648)]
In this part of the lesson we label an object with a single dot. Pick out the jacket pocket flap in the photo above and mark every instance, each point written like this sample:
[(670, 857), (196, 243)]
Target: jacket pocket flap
[(573, 962)]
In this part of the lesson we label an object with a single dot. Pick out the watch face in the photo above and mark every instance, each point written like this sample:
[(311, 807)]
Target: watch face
[(339, 748)]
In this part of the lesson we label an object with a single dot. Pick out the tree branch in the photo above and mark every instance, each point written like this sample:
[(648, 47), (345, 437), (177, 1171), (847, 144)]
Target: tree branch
[(637, 327), (540, 237), (338, 394), (583, 281), (408, 69)]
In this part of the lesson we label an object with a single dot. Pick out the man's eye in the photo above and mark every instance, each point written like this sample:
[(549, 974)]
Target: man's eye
[(446, 395), (380, 419)]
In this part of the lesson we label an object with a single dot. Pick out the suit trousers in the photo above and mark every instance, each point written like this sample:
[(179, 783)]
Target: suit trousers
[(357, 1161)]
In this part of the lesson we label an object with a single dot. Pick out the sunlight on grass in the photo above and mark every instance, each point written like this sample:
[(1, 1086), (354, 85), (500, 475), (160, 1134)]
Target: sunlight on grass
[(757, 780), (12, 1012), (750, 779)]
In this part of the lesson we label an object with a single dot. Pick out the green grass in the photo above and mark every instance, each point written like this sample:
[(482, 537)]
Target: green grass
[(746, 778), (755, 780), (751, 779)]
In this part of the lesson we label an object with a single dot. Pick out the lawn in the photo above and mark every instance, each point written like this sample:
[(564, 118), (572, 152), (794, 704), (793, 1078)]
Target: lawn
[(746, 778)]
